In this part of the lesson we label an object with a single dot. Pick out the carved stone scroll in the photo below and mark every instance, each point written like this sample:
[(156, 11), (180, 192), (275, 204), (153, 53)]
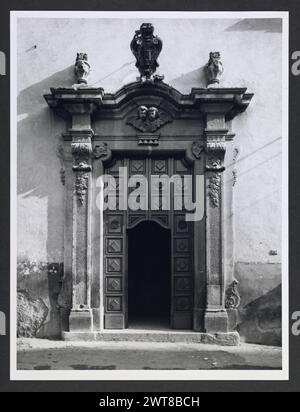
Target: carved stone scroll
[(197, 149), (233, 298)]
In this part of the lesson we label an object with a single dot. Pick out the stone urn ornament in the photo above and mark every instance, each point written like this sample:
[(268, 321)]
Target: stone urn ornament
[(214, 69), (82, 69)]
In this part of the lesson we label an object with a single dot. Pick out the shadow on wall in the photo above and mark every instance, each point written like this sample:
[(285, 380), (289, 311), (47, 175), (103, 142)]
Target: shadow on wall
[(39, 179), (266, 25), (261, 304), (261, 320), (196, 77)]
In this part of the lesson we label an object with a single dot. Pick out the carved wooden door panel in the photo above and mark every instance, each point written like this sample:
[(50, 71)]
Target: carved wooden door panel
[(115, 244), (114, 260), (182, 257)]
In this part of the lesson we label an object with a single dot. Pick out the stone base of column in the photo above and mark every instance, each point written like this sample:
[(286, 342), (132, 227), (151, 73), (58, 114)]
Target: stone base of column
[(198, 325), (233, 319), (215, 321), (81, 320)]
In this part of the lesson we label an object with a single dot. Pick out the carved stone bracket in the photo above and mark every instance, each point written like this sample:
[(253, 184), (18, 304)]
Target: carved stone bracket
[(197, 149), (100, 150), (233, 298), (81, 150), (215, 153)]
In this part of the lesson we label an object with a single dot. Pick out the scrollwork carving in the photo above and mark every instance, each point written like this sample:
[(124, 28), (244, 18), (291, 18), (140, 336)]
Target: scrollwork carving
[(197, 149), (100, 150), (233, 298)]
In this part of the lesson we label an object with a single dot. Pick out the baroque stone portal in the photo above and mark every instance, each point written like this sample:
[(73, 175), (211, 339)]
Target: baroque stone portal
[(110, 131)]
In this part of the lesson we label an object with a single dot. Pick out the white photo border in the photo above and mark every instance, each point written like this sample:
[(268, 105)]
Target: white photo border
[(151, 375)]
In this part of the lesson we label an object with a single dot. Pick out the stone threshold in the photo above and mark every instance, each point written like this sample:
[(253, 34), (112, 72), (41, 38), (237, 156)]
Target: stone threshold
[(127, 335)]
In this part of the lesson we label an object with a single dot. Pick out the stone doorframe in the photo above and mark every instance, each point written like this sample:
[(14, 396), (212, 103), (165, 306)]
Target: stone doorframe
[(85, 155)]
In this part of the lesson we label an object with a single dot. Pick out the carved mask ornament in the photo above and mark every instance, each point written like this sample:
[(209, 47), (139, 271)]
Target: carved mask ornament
[(148, 120)]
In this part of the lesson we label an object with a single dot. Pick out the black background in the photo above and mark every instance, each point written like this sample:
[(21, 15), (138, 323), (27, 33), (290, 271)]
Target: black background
[(293, 6)]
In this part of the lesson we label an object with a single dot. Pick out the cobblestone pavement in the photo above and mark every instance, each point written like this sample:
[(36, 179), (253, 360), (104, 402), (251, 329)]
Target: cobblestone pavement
[(36, 354)]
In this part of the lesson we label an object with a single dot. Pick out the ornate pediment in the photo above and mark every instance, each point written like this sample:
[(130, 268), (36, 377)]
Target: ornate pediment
[(148, 119)]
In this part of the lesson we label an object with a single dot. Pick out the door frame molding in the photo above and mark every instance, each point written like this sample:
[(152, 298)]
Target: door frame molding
[(85, 152)]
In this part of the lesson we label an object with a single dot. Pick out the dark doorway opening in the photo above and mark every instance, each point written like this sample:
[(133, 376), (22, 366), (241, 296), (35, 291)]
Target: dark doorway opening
[(149, 276)]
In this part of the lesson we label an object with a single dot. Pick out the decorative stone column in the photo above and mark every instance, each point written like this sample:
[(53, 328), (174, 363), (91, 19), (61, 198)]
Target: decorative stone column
[(198, 153), (215, 319), (81, 146), (76, 106)]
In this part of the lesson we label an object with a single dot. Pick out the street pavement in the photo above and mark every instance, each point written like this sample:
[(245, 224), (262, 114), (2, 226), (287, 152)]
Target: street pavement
[(42, 354)]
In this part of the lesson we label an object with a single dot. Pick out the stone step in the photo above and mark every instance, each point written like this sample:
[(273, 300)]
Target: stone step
[(126, 335)]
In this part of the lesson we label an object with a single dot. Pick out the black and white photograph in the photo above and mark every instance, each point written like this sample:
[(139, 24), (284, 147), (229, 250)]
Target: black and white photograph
[(149, 195)]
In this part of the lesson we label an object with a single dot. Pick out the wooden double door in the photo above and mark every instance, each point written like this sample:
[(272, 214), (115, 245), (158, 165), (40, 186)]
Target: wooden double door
[(148, 254)]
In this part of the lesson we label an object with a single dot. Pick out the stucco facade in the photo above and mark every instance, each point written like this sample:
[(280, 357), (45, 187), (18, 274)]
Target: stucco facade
[(46, 52)]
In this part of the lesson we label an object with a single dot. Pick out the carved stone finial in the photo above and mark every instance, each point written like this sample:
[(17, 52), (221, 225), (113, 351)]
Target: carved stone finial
[(146, 48), (214, 69), (148, 120), (233, 298), (82, 68)]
